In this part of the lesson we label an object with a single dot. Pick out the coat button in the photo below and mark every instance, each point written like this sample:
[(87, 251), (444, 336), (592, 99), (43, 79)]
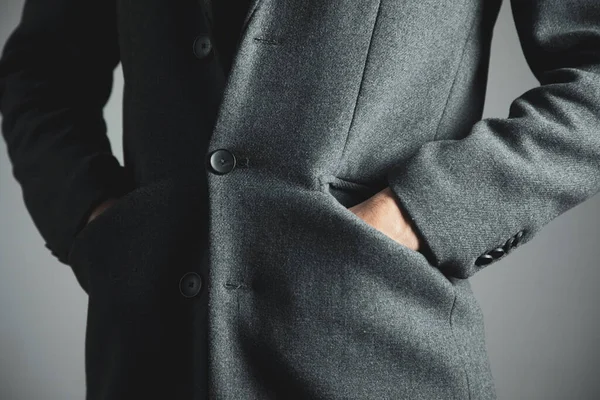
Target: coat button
[(509, 244), (497, 252), (484, 259), (222, 161), (518, 237), (202, 46), (190, 284)]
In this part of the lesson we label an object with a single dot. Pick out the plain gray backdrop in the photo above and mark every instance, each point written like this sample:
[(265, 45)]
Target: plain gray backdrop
[(540, 303)]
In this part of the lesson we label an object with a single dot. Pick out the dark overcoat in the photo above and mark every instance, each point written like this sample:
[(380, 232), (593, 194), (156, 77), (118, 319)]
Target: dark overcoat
[(230, 266)]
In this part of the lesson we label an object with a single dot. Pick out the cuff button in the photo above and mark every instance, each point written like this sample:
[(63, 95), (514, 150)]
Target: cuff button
[(497, 252), (484, 259), (509, 244), (518, 237)]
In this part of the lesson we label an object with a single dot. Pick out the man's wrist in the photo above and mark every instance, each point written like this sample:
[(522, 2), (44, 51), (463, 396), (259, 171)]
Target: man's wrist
[(99, 209), (405, 224)]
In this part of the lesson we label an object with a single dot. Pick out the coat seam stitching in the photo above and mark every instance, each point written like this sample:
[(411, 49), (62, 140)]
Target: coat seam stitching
[(456, 344), (360, 89), (455, 78)]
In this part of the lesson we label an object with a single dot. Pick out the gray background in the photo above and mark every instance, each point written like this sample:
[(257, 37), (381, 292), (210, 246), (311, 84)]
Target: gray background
[(539, 303)]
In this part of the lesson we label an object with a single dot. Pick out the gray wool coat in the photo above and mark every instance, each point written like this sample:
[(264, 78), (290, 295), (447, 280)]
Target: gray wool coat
[(230, 267)]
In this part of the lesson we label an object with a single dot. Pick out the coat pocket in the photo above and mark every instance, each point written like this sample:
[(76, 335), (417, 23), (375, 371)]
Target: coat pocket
[(347, 194), (98, 220), (87, 237), (131, 259), (139, 239)]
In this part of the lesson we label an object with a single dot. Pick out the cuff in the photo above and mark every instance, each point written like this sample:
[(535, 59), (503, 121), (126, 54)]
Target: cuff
[(460, 222)]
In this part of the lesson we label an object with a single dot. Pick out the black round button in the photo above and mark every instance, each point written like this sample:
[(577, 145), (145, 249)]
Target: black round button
[(190, 284), (497, 252), (484, 260), (222, 161), (202, 46)]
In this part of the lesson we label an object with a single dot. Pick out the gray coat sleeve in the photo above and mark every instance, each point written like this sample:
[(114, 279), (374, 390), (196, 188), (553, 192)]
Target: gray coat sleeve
[(466, 197), (56, 76)]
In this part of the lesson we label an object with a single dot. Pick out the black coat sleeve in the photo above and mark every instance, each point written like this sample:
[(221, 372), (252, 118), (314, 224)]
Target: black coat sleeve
[(56, 75)]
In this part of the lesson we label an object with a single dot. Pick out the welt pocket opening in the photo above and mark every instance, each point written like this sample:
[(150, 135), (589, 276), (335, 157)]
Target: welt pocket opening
[(87, 232), (84, 232), (347, 192)]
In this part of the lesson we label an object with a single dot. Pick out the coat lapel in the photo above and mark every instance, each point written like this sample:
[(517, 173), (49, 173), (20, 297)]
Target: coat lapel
[(252, 7)]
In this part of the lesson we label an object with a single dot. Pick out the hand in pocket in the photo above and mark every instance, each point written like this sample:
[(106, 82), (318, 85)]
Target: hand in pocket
[(383, 212), (99, 209)]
